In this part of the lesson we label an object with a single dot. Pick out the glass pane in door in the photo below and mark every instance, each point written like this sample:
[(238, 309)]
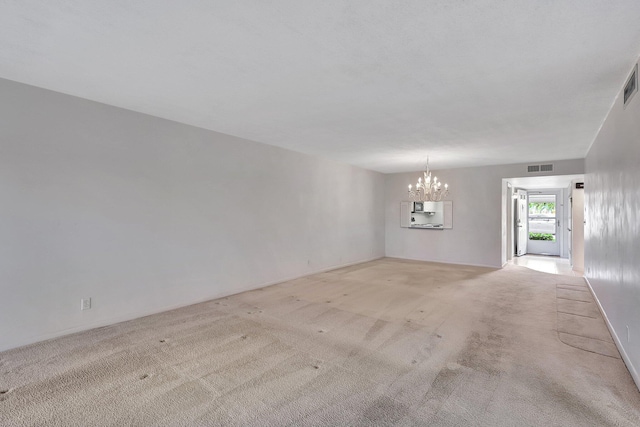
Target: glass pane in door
[(542, 217)]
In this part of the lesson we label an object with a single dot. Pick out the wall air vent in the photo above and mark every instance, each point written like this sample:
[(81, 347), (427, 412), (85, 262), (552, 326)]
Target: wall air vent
[(540, 168), (631, 87)]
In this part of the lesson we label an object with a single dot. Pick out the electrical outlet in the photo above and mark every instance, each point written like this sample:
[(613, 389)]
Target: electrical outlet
[(85, 304)]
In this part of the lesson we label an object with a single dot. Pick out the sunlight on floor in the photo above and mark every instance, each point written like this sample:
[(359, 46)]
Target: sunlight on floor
[(546, 264)]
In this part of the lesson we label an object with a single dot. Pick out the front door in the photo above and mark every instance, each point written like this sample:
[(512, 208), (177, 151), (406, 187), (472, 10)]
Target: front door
[(544, 236), (521, 218)]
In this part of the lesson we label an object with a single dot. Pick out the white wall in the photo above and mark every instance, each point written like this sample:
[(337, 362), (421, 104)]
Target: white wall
[(143, 214), (565, 224), (480, 220), (577, 227), (612, 229)]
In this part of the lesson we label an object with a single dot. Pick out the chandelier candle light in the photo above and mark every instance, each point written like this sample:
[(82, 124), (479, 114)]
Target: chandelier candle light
[(428, 190)]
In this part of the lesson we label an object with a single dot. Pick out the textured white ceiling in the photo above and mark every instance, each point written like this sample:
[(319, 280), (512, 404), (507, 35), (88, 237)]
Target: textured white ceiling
[(377, 84)]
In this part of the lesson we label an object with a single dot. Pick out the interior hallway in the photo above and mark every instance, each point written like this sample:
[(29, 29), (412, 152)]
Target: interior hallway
[(389, 342)]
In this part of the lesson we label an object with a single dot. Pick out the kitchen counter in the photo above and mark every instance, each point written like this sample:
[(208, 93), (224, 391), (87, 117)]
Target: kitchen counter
[(428, 226)]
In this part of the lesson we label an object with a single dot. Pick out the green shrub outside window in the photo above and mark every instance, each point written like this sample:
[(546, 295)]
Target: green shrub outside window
[(542, 236)]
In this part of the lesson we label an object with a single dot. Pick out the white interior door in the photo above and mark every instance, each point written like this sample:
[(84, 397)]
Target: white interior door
[(544, 212), (521, 217)]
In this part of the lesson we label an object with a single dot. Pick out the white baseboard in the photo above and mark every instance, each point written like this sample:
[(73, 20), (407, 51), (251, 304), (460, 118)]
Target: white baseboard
[(616, 339), (445, 262), (138, 314)]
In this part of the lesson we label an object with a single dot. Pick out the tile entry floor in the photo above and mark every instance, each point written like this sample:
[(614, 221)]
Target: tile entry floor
[(546, 264)]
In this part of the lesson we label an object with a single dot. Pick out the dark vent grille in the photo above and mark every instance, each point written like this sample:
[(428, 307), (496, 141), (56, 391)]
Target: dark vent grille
[(546, 168), (631, 87), (533, 168)]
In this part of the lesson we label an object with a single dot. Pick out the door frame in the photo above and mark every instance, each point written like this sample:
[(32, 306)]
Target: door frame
[(537, 246), (521, 194), (509, 185)]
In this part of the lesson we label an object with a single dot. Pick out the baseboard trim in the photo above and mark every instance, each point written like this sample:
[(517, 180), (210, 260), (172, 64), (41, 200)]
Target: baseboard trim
[(445, 262), (625, 357), (140, 314)]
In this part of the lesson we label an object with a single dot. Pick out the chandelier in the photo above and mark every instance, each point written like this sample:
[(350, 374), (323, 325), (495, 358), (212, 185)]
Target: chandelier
[(428, 190)]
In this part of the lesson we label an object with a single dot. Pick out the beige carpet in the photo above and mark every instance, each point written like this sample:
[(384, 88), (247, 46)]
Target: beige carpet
[(580, 323), (389, 342)]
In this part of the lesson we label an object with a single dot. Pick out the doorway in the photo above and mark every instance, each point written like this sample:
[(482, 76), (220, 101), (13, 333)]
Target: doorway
[(550, 230), (543, 217)]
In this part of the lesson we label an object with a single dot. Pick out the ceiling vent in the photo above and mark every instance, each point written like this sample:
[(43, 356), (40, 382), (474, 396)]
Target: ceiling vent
[(540, 168), (631, 87)]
